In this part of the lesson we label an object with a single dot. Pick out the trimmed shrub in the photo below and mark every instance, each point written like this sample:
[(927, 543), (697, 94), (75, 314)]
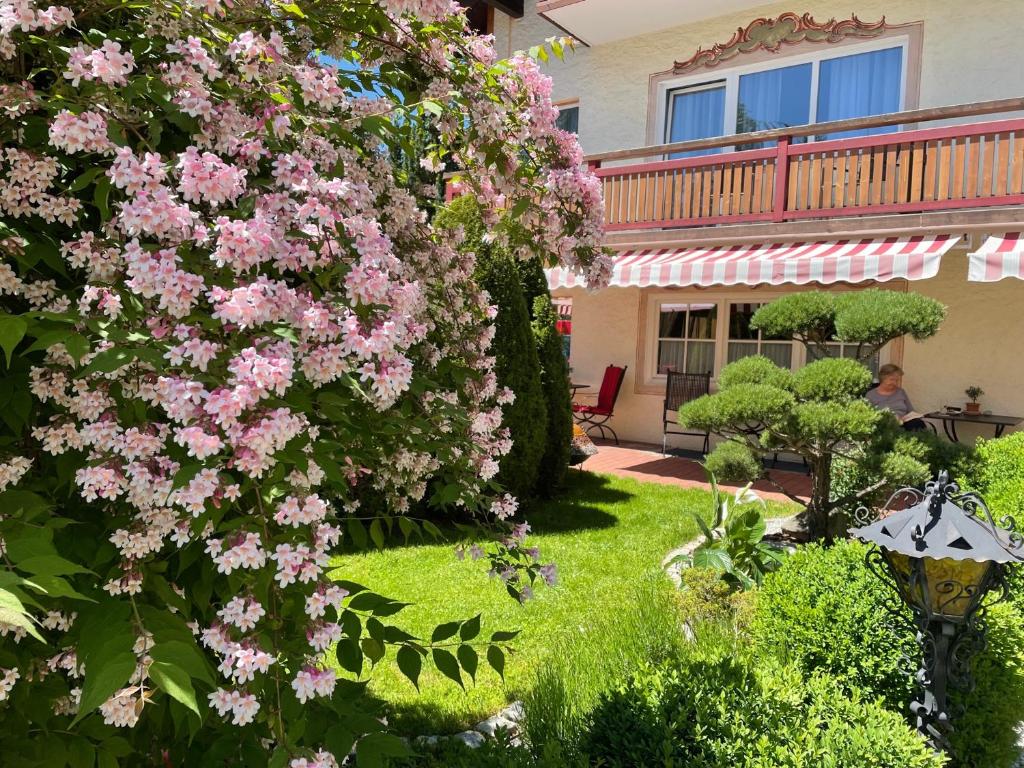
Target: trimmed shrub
[(516, 362), (704, 597), (827, 613), (720, 707), (998, 474), (554, 378), (534, 282)]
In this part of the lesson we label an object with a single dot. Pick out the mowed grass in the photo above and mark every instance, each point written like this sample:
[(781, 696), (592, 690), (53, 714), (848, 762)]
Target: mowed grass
[(605, 533)]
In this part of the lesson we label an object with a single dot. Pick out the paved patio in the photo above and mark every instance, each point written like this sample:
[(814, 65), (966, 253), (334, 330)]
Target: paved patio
[(645, 462)]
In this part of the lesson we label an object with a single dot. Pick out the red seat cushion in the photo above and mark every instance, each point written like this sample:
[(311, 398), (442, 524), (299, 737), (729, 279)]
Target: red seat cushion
[(610, 387), (594, 409)]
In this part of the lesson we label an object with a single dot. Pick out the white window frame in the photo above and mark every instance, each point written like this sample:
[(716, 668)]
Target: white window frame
[(649, 376), (685, 340), (731, 77), (798, 351)]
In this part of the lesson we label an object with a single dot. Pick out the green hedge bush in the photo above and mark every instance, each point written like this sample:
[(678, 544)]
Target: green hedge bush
[(826, 612), (554, 377), (721, 707), (997, 473), (515, 352)]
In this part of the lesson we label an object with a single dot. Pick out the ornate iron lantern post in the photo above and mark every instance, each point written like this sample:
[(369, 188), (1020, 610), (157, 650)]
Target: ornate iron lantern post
[(946, 558)]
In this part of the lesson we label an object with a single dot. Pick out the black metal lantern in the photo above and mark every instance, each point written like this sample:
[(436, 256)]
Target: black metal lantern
[(946, 557)]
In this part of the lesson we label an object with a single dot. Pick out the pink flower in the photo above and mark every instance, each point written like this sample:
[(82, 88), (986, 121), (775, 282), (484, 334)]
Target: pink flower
[(85, 132)]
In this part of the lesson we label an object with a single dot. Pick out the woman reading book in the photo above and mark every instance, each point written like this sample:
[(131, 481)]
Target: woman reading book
[(889, 395)]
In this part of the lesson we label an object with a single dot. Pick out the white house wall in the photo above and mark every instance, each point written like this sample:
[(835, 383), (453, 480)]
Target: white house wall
[(970, 52)]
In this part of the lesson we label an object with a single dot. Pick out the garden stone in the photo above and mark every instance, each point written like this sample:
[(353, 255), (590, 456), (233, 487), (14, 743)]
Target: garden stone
[(491, 725), (471, 739), (513, 711)]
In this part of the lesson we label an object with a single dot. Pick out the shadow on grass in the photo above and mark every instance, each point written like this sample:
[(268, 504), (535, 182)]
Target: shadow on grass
[(578, 506), (421, 716)]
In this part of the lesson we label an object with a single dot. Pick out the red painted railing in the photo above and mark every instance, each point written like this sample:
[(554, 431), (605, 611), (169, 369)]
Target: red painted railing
[(944, 168)]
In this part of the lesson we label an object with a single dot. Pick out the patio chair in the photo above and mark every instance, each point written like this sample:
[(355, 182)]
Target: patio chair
[(590, 416), (682, 388)]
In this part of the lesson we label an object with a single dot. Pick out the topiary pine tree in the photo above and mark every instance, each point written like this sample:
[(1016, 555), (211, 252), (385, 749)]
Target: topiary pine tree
[(554, 374), (516, 363), (818, 412)]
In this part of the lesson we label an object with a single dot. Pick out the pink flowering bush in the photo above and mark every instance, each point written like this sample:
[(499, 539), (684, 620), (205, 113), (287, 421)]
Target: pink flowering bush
[(234, 341)]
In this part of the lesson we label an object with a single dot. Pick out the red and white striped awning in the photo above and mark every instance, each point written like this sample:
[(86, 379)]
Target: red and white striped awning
[(998, 257), (838, 261)]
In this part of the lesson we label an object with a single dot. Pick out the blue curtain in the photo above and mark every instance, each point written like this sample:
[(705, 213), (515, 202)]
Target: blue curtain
[(697, 115), (860, 85), (776, 98)]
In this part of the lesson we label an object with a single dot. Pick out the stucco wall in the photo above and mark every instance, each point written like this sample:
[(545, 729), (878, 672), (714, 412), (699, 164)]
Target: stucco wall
[(980, 343), (971, 52)]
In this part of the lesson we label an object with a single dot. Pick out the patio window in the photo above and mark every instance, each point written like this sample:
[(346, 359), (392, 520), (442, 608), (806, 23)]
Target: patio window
[(838, 349), (686, 337), (745, 340), (811, 88)]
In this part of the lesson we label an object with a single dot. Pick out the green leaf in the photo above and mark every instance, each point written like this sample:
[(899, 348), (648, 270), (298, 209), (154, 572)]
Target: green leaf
[(469, 659), (447, 665), (714, 558), (83, 180), (13, 612), (50, 565), (101, 197), (372, 648), (503, 637), (103, 681), (444, 631), (410, 663), (470, 628), (377, 533), (350, 655), (184, 656), (12, 331), (175, 683), (496, 658)]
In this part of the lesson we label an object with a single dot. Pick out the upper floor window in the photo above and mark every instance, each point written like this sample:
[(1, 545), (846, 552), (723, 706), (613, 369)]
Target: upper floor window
[(806, 89), (568, 117)]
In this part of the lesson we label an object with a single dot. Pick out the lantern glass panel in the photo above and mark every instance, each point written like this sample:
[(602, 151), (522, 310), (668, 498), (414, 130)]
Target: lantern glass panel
[(946, 588)]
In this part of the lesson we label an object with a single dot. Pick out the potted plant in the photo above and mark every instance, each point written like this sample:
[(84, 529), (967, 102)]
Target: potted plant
[(973, 392)]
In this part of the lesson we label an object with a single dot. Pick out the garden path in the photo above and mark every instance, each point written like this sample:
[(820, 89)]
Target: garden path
[(645, 462)]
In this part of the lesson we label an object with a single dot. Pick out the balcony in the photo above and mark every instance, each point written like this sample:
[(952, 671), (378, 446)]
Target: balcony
[(791, 176)]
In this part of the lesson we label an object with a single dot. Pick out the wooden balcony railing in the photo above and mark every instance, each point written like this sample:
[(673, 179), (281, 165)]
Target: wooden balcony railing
[(949, 167)]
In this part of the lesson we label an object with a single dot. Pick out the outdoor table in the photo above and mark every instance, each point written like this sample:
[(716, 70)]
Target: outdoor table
[(573, 387), (949, 421)]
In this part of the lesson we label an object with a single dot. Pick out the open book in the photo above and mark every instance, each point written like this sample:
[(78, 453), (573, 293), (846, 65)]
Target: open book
[(911, 416)]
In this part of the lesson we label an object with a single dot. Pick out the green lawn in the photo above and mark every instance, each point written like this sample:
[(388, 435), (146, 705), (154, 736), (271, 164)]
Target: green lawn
[(605, 533)]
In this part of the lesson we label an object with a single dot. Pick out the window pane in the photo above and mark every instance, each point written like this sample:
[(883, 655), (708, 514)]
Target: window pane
[(860, 85), (568, 119), (703, 319), (779, 353), (672, 321), (740, 349), (739, 321), (778, 98), (700, 356), (696, 114), (670, 356)]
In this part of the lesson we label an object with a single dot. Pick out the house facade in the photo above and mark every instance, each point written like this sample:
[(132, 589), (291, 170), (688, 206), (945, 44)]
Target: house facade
[(879, 143)]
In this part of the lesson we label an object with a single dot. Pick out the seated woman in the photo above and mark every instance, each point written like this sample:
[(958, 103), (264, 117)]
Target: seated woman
[(889, 395)]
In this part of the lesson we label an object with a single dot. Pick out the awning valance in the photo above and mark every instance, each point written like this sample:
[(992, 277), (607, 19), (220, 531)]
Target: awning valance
[(998, 257), (838, 261)]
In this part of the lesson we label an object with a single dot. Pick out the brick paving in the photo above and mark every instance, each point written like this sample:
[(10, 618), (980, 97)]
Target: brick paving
[(645, 462)]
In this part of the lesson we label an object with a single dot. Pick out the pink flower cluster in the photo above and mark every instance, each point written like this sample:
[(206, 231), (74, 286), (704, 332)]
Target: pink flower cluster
[(107, 64), (84, 132)]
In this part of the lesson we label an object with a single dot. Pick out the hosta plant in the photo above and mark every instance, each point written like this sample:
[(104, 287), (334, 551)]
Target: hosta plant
[(734, 543)]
